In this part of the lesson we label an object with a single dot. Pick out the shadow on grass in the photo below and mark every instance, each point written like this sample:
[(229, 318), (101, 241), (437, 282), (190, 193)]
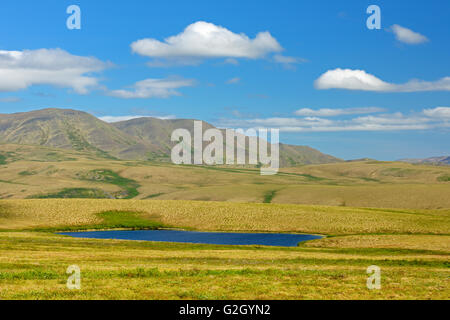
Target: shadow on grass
[(114, 220)]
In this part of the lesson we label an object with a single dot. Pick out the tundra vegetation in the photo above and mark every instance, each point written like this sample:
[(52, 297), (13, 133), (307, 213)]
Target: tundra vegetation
[(410, 246), (390, 214)]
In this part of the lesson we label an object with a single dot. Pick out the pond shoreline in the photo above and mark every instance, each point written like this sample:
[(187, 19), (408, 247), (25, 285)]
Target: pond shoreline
[(199, 237)]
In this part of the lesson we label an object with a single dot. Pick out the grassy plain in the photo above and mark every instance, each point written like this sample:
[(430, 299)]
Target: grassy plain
[(38, 172), (112, 269), (223, 216), (390, 214), (410, 246)]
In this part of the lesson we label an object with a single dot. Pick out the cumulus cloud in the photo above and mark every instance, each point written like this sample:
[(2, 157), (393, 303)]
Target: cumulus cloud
[(112, 119), (408, 36), (361, 80), (427, 119), (203, 40), (22, 69), (351, 80), (153, 88), (336, 112)]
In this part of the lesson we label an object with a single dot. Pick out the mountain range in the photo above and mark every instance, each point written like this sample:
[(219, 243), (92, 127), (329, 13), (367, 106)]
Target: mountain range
[(434, 160), (137, 139)]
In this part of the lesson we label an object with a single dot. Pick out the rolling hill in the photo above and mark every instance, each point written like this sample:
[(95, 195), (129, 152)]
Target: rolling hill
[(38, 172), (137, 139), (70, 129)]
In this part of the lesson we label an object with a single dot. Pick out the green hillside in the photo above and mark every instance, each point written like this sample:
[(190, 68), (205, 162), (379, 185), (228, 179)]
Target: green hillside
[(138, 139)]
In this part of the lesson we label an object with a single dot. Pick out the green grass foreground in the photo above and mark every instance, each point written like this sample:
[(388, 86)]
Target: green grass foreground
[(112, 269), (413, 252)]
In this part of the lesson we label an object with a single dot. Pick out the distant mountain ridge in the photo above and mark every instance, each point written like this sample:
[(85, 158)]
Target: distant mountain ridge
[(444, 160), (137, 139)]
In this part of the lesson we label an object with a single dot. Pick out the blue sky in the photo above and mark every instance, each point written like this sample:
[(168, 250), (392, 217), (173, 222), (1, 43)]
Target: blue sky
[(315, 70)]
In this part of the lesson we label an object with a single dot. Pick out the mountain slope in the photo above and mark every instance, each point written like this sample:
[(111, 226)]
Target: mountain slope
[(158, 132), (291, 155), (137, 139), (70, 129)]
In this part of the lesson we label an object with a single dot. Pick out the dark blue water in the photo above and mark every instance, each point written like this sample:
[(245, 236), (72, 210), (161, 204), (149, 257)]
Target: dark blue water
[(264, 239)]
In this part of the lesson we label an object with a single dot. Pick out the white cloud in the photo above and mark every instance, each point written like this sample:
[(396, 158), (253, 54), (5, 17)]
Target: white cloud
[(153, 88), (427, 119), (234, 80), (22, 69), (439, 112), (336, 112), (360, 80), (408, 36), (112, 119), (351, 80), (203, 40)]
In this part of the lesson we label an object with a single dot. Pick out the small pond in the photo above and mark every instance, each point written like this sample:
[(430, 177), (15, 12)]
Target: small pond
[(220, 238)]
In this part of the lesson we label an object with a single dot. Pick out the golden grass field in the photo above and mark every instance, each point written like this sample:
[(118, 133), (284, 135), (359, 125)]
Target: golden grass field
[(34, 171), (390, 214), (223, 216), (410, 246), (35, 269)]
